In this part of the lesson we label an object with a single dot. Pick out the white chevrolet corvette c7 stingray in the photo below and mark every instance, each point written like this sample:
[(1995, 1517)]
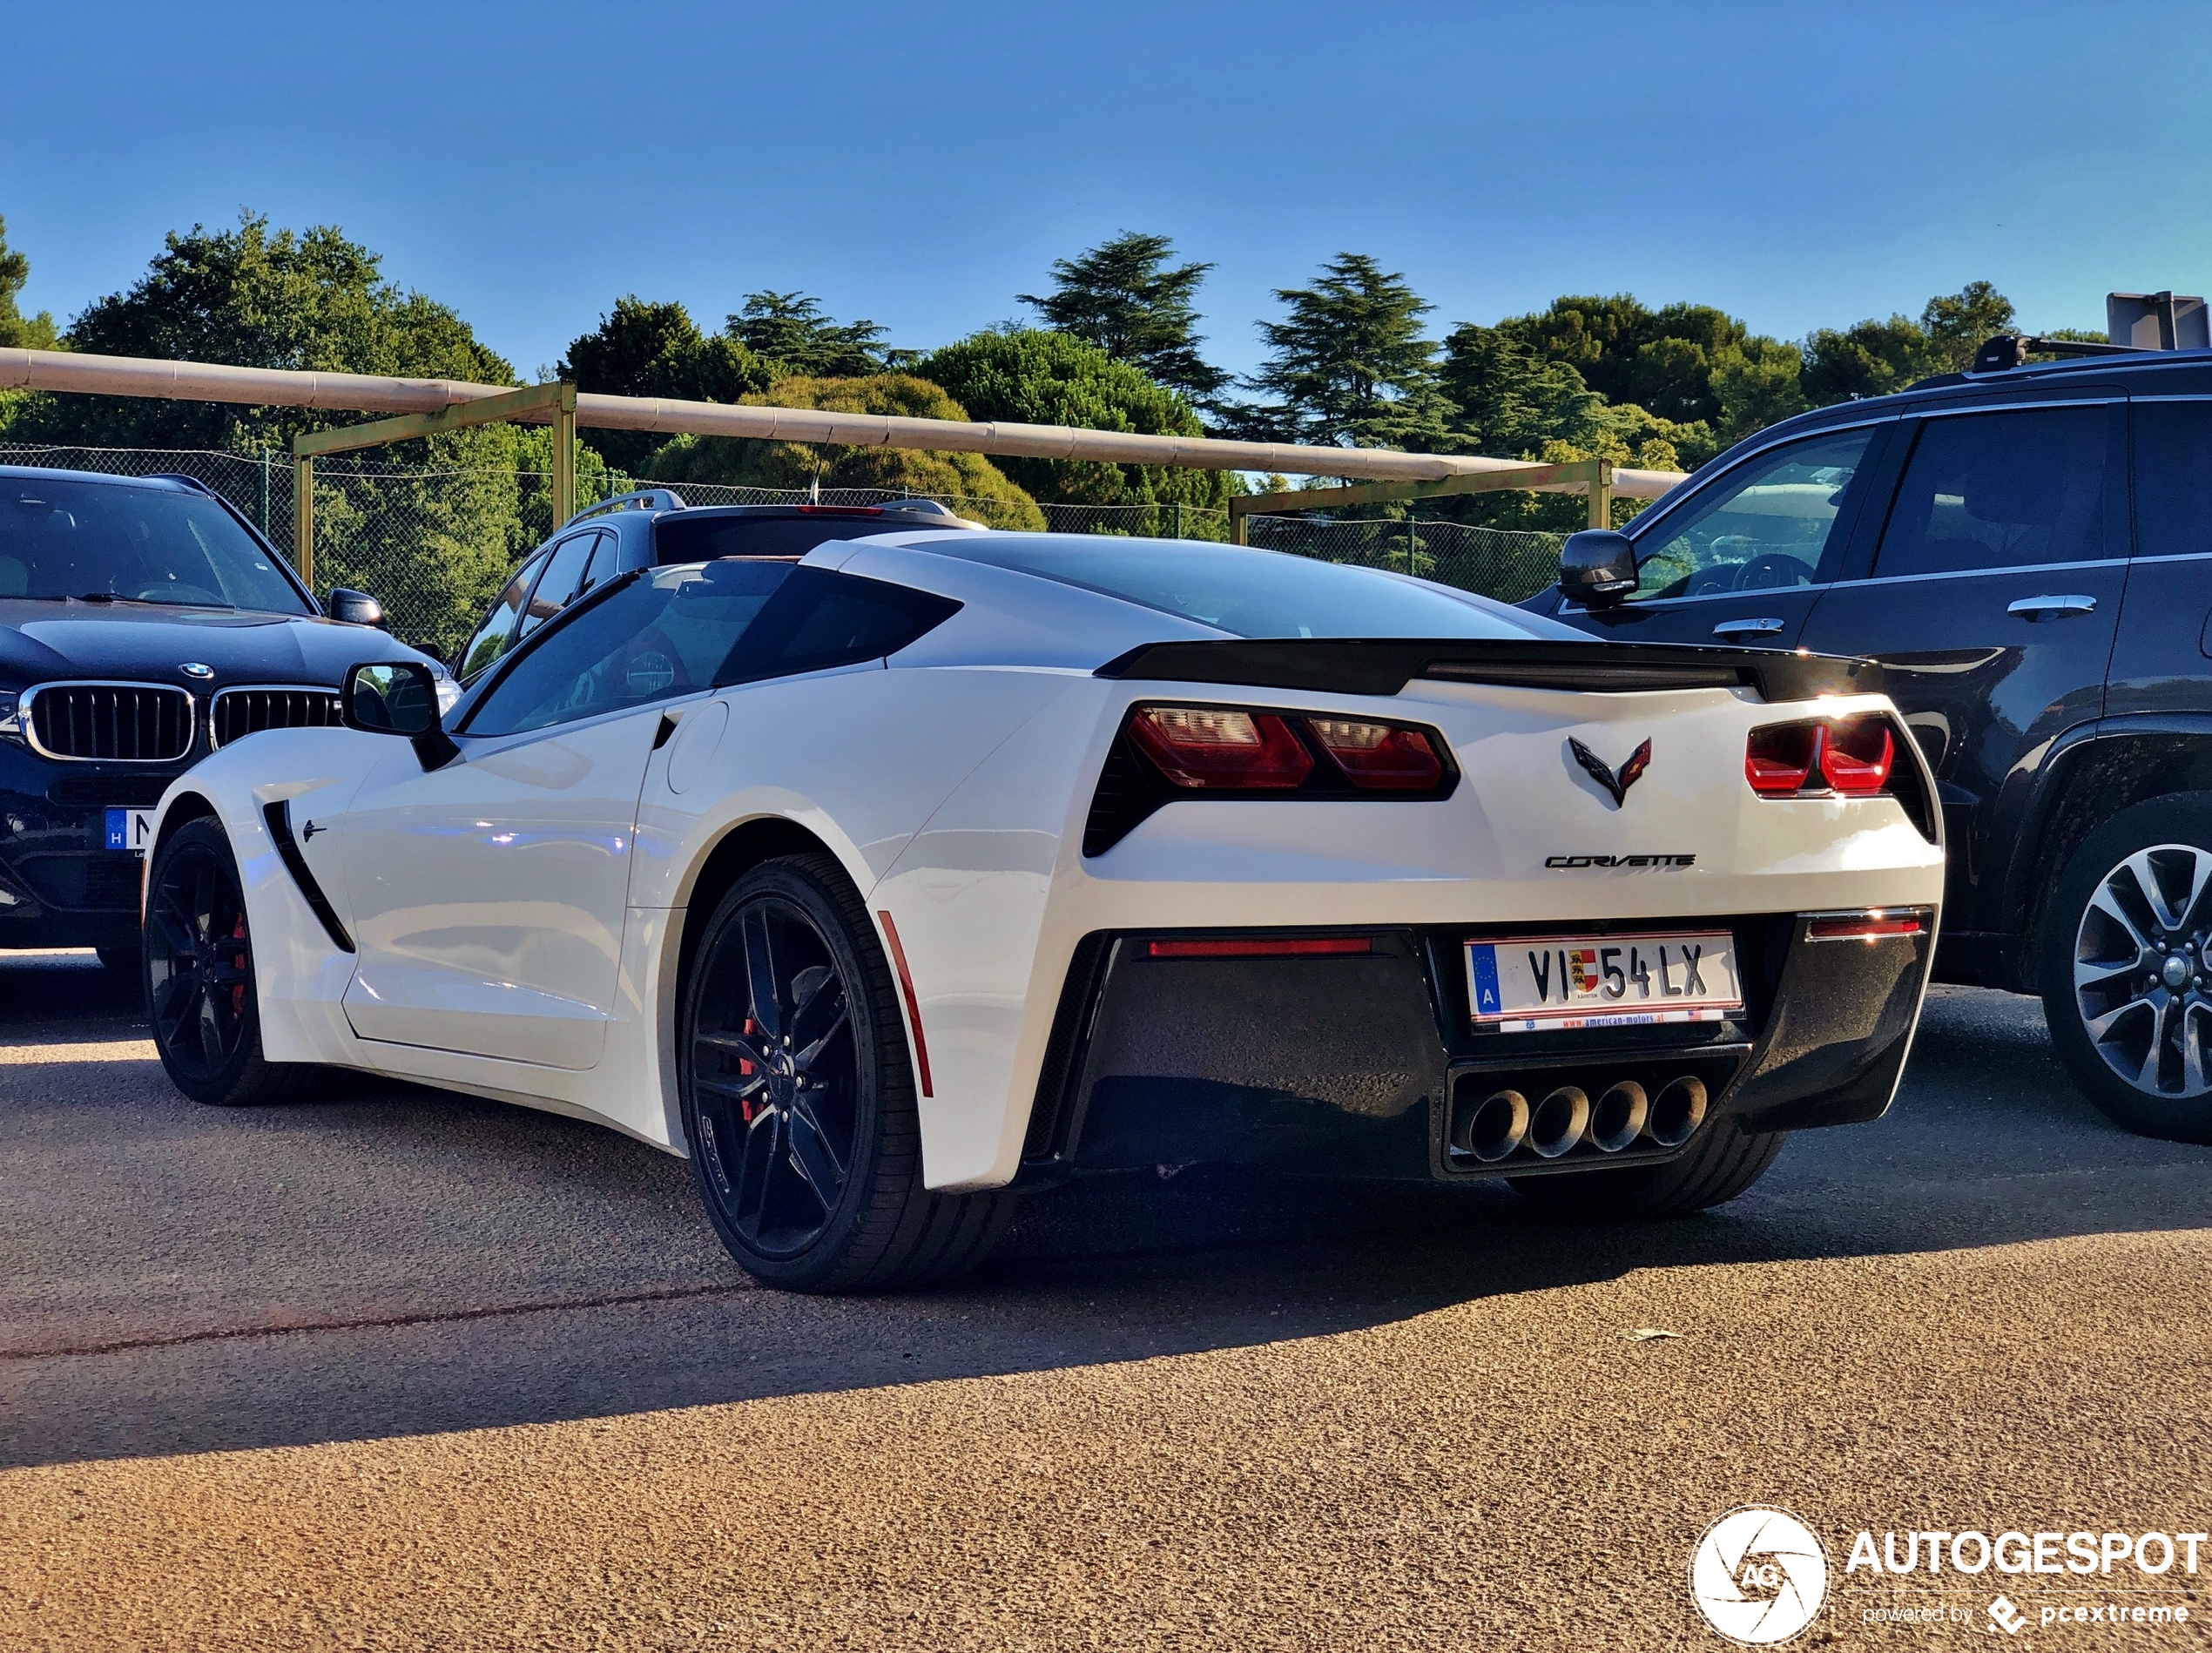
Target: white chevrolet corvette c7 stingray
[(892, 881)]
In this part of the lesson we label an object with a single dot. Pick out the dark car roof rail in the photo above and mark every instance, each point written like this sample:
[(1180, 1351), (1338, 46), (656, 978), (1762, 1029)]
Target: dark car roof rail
[(641, 499), (2010, 350)]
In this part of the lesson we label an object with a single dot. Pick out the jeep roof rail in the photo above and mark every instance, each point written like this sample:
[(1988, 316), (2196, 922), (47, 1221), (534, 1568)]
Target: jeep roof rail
[(642, 499), (2009, 350)]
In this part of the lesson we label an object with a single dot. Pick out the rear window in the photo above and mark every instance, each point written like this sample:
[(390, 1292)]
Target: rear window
[(700, 539), (1250, 593)]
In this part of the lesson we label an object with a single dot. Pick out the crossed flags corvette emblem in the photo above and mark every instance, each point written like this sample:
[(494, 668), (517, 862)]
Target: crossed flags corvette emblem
[(1616, 782)]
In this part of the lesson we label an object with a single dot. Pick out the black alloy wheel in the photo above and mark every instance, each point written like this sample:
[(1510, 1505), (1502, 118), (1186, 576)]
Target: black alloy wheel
[(799, 1096), (2127, 969), (200, 994), (778, 1076)]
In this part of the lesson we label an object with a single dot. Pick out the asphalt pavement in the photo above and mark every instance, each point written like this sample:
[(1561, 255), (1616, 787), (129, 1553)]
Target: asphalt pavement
[(393, 1369)]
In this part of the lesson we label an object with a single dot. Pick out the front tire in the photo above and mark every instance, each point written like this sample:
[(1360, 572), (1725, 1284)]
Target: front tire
[(198, 974), (2126, 968), (798, 1098), (1721, 1161)]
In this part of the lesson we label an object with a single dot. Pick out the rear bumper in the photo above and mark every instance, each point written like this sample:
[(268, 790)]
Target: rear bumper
[(1354, 1066)]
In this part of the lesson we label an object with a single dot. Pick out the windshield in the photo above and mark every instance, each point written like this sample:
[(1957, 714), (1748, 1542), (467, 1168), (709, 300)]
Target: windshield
[(1250, 593), (64, 537)]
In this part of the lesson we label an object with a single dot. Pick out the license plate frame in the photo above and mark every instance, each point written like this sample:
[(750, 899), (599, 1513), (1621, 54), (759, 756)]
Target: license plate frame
[(1655, 969)]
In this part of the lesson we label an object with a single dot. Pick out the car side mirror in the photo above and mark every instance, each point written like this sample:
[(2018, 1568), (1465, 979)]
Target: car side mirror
[(356, 608), (397, 697), (1597, 567)]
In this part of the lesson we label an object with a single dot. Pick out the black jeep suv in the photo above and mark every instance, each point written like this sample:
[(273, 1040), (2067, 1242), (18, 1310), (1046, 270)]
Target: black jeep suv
[(143, 622), (2027, 550)]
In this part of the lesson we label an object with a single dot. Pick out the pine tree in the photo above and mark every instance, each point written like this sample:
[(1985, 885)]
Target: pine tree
[(1120, 297), (789, 331), (1351, 365), (17, 330)]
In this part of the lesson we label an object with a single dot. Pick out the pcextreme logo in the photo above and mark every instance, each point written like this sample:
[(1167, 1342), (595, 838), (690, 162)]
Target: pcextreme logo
[(1758, 1576)]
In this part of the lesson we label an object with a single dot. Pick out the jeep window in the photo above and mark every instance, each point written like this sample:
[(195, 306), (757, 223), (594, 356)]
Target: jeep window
[(662, 632), (497, 635), (563, 575), (695, 538), (2173, 478), (62, 538), (1999, 490), (1765, 524)]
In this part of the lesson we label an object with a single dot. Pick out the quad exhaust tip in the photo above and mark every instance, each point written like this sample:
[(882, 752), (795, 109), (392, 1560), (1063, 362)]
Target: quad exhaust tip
[(1620, 1117), (1559, 1121), (1678, 1111), (1496, 1128)]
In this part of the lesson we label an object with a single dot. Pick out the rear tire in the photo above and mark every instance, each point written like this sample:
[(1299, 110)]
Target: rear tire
[(1722, 1162), (198, 967), (798, 1098), (2137, 1042)]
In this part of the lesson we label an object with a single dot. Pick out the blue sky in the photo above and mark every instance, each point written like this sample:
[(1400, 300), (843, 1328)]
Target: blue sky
[(921, 164)]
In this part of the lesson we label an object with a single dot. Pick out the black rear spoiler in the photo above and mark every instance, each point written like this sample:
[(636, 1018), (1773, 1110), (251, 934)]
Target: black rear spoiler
[(1386, 666)]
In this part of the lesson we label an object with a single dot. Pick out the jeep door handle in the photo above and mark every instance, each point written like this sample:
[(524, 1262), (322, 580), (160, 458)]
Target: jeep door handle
[(1759, 628), (2052, 607)]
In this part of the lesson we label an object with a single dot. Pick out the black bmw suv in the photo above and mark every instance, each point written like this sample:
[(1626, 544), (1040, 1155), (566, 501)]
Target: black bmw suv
[(143, 622), (2027, 549)]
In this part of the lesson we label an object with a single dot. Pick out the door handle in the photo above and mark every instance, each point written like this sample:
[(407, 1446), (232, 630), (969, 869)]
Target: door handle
[(2056, 607), (1758, 628)]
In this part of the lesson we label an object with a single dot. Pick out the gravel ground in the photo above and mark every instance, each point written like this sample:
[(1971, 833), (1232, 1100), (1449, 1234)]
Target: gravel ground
[(397, 1369)]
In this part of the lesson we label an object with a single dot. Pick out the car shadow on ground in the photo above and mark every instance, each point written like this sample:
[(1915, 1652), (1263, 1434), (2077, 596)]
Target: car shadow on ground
[(386, 1260)]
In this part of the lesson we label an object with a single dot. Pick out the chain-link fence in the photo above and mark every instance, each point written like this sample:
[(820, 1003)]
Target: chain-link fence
[(435, 545)]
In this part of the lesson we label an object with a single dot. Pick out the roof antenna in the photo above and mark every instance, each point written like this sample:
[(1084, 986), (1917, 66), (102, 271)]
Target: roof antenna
[(814, 487)]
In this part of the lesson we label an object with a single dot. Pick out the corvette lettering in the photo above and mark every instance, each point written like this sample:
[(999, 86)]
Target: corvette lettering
[(1572, 861)]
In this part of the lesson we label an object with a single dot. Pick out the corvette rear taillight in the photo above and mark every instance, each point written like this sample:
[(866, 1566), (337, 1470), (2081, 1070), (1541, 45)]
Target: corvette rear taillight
[(1856, 755), (1377, 756), (1780, 759), (1208, 748), (1849, 757)]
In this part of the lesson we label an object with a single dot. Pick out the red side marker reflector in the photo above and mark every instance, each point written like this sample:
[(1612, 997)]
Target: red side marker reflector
[(913, 1006), (1260, 948), (1865, 926)]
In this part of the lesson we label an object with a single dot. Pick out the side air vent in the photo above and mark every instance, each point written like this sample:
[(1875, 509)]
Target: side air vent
[(279, 817), (245, 711), (115, 722)]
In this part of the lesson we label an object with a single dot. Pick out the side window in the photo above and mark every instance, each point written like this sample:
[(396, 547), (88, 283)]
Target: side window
[(2001, 490), (819, 618), (606, 563), (497, 635), (2173, 478), (1765, 524), (563, 575), (650, 636)]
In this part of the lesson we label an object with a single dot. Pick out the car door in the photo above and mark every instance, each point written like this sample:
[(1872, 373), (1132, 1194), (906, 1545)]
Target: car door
[(2159, 666), (1991, 599), (489, 895), (1743, 559)]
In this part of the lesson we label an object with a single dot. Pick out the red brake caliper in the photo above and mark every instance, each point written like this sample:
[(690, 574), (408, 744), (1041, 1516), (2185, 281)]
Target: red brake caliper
[(238, 993), (746, 1070)]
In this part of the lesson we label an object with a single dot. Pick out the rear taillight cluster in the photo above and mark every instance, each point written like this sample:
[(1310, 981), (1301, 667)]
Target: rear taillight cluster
[(1227, 749), (1841, 757)]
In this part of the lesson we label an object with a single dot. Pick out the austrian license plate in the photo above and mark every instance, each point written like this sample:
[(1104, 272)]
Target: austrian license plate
[(1537, 983), (130, 829)]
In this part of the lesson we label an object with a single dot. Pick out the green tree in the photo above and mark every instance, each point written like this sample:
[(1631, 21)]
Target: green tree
[(435, 549), (741, 462), (657, 350), (789, 331), (1874, 357), (1029, 376), (1349, 364), (1121, 297), (1508, 401), (18, 331)]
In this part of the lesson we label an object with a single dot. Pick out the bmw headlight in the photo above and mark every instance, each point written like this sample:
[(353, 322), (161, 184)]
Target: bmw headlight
[(11, 716)]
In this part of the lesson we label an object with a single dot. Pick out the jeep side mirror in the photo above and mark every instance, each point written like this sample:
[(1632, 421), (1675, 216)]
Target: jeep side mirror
[(356, 608), (1597, 567), (397, 697)]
